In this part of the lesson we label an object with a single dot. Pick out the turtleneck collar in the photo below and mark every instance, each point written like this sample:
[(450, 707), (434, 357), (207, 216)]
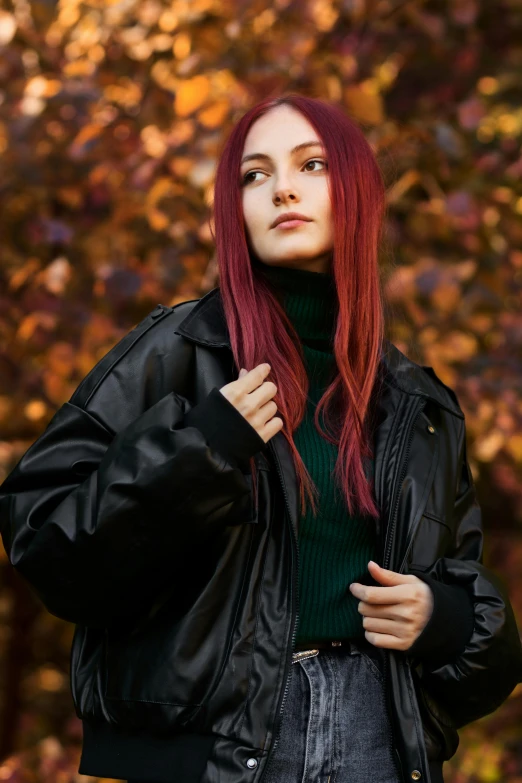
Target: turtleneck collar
[(309, 299)]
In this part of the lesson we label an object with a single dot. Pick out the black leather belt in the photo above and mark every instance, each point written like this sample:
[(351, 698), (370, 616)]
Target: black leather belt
[(323, 644)]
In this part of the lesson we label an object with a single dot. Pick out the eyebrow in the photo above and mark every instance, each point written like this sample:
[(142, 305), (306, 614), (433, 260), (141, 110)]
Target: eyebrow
[(264, 156)]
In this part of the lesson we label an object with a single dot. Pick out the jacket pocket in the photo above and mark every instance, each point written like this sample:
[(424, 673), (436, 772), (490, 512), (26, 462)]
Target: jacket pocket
[(158, 673), (144, 684), (433, 539)]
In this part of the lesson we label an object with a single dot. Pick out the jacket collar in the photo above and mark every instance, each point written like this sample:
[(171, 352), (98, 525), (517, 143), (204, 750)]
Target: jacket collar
[(206, 325)]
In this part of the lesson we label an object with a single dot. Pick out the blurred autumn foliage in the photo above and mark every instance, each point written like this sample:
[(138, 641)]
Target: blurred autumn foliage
[(112, 113)]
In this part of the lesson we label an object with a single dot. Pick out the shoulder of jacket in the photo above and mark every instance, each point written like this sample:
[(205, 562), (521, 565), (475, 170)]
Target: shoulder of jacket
[(154, 333), (445, 391), (414, 378)]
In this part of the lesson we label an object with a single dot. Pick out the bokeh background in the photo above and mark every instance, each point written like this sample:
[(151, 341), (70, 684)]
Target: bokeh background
[(111, 120)]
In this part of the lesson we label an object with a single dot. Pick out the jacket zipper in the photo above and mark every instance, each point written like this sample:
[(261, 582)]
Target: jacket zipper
[(295, 616), (295, 588), (391, 527), (388, 541)]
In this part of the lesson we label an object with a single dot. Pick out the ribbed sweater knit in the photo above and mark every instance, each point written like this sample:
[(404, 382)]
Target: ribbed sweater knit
[(334, 547)]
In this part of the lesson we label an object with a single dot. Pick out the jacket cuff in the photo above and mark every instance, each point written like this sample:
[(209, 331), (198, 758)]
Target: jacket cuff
[(450, 626), (224, 428)]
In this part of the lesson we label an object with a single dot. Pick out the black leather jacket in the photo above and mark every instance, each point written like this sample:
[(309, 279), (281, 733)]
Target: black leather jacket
[(133, 517)]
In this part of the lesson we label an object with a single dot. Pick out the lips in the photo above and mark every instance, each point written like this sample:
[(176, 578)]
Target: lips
[(289, 216)]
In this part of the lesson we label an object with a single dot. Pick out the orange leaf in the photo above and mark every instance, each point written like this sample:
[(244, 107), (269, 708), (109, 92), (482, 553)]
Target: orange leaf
[(191, 94)]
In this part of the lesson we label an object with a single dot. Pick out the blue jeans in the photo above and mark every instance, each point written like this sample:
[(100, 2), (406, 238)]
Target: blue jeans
[(335, 726)]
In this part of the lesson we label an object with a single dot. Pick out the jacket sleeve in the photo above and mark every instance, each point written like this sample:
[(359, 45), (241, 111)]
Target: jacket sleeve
[(94, 518), (478, 678)]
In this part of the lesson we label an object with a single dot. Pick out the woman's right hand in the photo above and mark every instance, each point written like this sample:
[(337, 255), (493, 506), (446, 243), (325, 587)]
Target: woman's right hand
[(252, 397)]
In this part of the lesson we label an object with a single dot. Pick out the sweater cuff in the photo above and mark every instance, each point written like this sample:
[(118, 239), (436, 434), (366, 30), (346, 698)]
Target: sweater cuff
[(224, 428), (450, 625)]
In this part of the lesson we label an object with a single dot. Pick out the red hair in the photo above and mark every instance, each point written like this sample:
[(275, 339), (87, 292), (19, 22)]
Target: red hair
[(258, 326)]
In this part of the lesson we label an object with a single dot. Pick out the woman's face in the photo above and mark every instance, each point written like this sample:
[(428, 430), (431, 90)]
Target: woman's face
[(280, 180)]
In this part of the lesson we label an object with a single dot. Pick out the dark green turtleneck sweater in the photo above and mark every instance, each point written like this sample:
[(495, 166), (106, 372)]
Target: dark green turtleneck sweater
[(334, 548)]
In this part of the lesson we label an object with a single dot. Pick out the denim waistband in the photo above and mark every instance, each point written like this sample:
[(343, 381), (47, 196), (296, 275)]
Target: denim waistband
[(345, 647)]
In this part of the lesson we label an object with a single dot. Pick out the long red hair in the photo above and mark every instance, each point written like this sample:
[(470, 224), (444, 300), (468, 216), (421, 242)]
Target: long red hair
[(258, 326)]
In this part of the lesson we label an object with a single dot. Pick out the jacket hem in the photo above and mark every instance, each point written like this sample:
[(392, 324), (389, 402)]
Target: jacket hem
[(111, 753)]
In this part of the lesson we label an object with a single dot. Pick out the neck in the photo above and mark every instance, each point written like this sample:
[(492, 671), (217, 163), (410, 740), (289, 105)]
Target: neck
[(309, 299)]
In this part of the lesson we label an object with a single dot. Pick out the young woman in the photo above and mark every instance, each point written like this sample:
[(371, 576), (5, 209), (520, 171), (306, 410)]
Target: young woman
[(259, 512)]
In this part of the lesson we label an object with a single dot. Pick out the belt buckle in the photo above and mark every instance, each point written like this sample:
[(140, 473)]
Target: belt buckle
[(301, 655)]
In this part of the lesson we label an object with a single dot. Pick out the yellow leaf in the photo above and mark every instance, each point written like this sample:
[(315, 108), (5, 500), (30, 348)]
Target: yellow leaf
[(365, 104), (35, 410), (514, 447), (32, 322), (157, 220), (403, 184), (86, 134), (78, 68), (20, 276), (160, 188), (7, 27), (214, 115), (191, 94), (486, 448), (446, 296), (40, 87)]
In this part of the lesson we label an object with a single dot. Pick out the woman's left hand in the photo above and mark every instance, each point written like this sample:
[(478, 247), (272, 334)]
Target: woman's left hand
[(394, 615)]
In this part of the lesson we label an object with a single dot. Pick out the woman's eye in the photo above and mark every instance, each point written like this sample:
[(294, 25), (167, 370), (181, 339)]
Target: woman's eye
[(246, 181), (315, 160)]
